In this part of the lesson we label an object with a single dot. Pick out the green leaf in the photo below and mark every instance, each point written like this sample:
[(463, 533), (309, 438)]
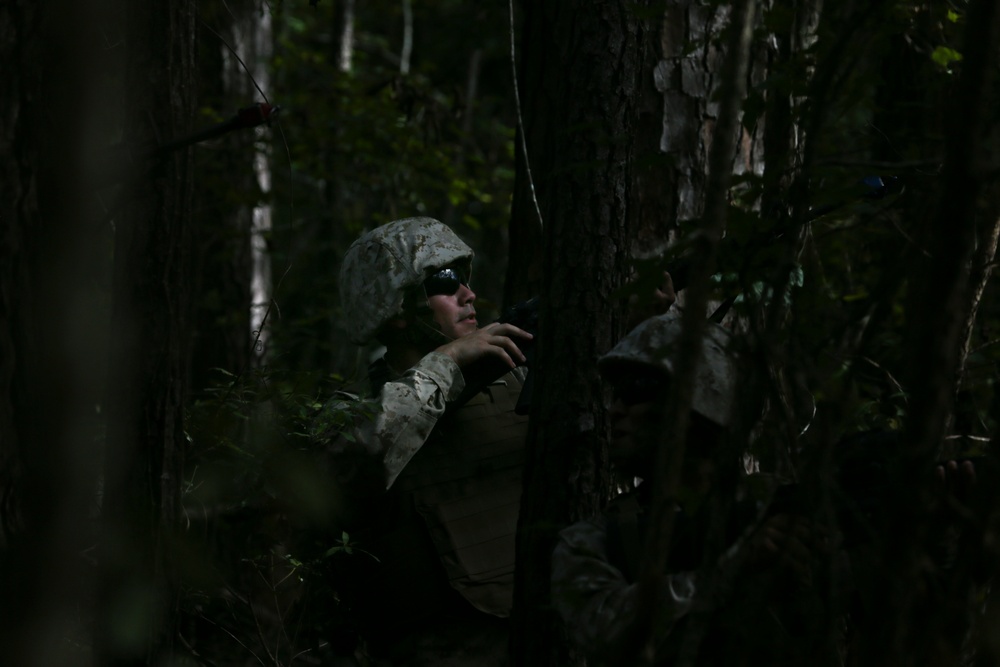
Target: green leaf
[(944, 56)]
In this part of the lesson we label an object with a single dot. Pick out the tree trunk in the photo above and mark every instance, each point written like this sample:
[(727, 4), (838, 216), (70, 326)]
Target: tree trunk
[(345, 32), (579, 83), (223, 203), (50, 332), (145, 435), (407, 49), (258, 43), (674, 425), (922, 628)]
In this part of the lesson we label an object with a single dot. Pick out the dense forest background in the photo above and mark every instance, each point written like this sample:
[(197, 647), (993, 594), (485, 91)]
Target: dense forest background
[(170, 328)]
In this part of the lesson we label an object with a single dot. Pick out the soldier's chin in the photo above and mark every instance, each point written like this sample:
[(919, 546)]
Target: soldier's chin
[(465, 327)]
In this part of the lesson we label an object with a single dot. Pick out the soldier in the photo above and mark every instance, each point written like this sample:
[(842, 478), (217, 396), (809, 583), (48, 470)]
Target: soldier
[(596, 563), (435, 483)]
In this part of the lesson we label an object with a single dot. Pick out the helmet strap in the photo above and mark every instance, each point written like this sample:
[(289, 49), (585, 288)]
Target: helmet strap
[(422, 331)]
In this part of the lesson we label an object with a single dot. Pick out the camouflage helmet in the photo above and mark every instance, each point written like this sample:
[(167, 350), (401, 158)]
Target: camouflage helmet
[(384, 264), (652, 344)]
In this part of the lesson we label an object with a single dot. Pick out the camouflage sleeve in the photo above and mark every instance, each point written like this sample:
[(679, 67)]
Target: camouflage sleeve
[(594, 598), (406, 411), (410, 408)]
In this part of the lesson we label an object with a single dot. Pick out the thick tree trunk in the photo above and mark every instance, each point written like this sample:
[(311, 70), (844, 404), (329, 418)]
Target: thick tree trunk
[(579, 84), (21, 27), (145, 436), (49, 333)]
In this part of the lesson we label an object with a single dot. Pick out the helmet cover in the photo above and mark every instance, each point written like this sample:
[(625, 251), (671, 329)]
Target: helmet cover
[(384, 264), (653, 344)]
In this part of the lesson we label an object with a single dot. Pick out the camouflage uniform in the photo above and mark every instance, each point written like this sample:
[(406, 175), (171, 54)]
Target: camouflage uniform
[(595, 597), (438, 484), (726, 613), (595, 570), (595, 562)]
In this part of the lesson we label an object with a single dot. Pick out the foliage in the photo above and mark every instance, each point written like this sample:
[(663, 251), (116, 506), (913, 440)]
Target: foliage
[(264, 585), (827, 257), (361, 147), (847, 281), (353, 148), (818, 264)]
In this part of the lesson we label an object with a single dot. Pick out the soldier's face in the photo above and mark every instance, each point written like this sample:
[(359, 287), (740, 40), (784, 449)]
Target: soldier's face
[(635, 418), (636, 432), (633, 435), (455, 314)]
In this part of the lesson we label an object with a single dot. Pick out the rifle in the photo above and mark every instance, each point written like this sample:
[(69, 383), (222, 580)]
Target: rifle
[(524, 315)]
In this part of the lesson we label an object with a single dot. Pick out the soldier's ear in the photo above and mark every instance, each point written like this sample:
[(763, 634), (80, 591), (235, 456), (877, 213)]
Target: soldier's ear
[(393, 332)]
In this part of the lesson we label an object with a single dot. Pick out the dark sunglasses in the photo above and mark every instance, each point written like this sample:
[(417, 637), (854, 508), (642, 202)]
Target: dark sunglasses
[(445, 281), (638, 388)]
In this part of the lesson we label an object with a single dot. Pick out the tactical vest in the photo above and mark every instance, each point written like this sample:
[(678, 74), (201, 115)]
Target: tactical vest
[(466, 485), (454, 509)]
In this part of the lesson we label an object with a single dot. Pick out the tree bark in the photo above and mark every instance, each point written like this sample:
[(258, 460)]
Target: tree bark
[(145, 435), (407, 49), (345, 32), (667, 474), (50, 332), (981, 270), (579, 84), (258, 42), (223, 203)]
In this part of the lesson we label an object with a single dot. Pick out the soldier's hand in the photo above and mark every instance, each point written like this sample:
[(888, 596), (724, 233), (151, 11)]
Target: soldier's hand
[(788, 543), (956, 479), (641, 308), (492, 341)]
